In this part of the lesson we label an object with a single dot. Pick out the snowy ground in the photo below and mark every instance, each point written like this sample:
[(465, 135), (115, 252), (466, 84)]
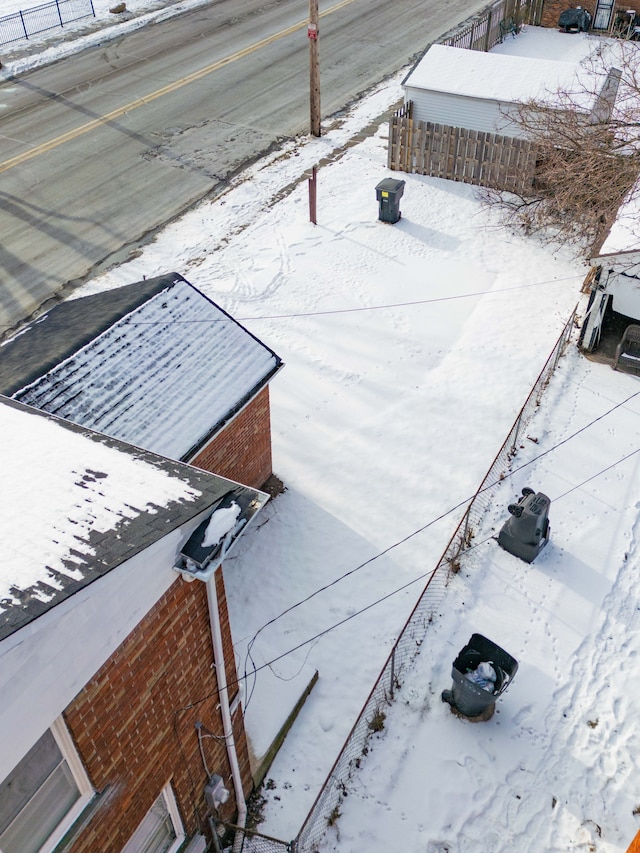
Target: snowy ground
[(556, 769), (409, 350)]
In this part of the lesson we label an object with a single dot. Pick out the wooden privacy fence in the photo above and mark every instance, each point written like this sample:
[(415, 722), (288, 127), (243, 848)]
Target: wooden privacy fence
[(459, 154)]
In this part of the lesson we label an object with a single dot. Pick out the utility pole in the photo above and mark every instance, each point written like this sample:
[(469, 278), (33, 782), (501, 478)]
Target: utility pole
[(314, 70)]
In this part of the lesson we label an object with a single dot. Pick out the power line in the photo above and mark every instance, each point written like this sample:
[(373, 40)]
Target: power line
[(363, 308), (595, 476), (421, 577), (405, 304), (440, 517), (320, 634), (249, 657)]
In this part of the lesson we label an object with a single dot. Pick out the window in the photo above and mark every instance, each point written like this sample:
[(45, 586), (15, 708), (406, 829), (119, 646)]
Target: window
[(161, 828), (43, 795)]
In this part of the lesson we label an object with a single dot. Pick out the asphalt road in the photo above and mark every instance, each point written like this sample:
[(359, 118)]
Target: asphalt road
[(99, 150)]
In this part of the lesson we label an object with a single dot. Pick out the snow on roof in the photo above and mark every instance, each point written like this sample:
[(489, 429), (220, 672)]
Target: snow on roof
[(221, 522), (165, 376), (624, 234), (66, 489), (490, 76)]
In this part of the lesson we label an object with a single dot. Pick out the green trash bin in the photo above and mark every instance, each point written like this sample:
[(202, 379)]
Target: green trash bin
[(389, 192)]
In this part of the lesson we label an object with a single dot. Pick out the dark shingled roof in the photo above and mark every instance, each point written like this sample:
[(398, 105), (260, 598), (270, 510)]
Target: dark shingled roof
[(67, 327), (156, 364), (45, 462)]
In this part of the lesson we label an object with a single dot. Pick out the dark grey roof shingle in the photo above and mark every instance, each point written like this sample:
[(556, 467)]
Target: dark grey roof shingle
[(156, 364), (76, 504)]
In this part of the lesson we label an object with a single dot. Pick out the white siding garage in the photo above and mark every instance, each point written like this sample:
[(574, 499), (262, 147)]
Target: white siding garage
[(475, 90), (459, 111)]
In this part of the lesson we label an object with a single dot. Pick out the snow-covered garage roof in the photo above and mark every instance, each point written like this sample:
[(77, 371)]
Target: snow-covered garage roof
[(490, 76), (156, 364), (75, 505)]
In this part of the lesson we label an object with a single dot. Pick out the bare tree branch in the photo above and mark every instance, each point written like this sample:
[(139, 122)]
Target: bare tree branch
[(587, 142)]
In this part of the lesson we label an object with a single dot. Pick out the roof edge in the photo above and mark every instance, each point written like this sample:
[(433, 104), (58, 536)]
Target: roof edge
[(232, 414)]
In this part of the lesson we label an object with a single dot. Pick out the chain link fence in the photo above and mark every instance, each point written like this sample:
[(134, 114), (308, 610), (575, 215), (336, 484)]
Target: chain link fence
[(227, 837), (502, 463), (481, 33), (39, 19), (326, 809)]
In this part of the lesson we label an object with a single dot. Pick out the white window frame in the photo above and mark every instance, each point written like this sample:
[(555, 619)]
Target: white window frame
[(171, 805), (69, 754)]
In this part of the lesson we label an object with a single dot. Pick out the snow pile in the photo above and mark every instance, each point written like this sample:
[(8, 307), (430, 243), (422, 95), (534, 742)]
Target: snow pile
[(221, 522)]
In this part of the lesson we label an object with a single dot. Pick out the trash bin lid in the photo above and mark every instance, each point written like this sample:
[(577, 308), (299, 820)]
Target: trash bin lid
[(487, 650), (390, 185), (536, 504)]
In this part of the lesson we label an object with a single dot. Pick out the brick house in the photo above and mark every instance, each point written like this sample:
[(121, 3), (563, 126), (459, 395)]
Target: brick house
[(156, 364), (120, 697)]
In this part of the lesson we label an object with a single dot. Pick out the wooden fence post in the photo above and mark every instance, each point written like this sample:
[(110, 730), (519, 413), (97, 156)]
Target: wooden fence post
[(487, 46), (313, 196)]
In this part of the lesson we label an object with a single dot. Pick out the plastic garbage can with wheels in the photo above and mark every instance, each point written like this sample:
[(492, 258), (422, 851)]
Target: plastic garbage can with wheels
[(527, 531), (472, 694), (389, 192)]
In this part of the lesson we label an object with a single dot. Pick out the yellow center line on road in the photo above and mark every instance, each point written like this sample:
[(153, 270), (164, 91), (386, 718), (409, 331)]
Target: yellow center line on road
[(159, 93)]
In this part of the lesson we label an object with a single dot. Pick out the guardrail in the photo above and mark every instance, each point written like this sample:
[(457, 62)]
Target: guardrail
[(39, 19)]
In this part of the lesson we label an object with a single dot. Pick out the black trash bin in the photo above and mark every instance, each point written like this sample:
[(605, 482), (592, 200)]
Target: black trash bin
[(527, 531), (574, 19), (389, 192), (469, 698)]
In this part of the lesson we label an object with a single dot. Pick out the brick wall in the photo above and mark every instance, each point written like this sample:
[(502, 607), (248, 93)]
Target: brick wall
[(552, 8), (242, 450), (623, 7), (130, 729)]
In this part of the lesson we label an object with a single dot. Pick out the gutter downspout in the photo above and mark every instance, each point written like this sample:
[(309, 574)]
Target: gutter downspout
[(223, 691), (189, 572)]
